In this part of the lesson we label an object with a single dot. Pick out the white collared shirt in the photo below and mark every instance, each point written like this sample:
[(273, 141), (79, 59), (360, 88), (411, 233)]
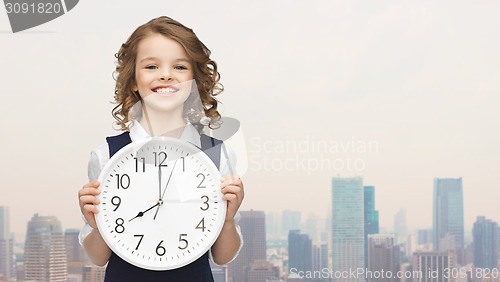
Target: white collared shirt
[(100, 156)]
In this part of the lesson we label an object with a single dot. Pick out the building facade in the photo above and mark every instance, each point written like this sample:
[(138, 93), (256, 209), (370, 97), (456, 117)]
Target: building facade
[(382, 258), (299, 251), (45, 250), (253, 229), (371, 217), (485, 240), (7, 269), (448, 214), (431, 266), (348, 226)]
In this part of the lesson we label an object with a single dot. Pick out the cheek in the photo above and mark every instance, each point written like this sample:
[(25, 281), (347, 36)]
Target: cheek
[(141, 82)]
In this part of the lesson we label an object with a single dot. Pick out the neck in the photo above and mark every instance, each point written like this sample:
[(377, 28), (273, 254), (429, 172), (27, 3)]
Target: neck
[(162, 123)]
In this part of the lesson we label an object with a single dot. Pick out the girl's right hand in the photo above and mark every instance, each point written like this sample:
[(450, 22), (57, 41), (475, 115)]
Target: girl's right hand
[(88, 200)]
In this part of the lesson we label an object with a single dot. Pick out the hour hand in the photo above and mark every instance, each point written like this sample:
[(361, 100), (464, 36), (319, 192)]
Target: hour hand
[(141, 213)]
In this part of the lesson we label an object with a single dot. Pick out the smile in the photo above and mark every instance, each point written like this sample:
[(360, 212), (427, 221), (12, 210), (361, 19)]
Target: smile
[(165, 90)]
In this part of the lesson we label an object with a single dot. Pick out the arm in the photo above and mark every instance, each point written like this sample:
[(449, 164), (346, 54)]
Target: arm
[(95, 247), (228, 242)]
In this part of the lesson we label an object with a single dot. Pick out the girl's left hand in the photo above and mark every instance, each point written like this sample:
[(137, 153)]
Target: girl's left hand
[(232, 189)]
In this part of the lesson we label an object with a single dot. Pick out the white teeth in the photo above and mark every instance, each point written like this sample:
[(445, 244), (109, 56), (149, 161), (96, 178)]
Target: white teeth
[(166, 90)]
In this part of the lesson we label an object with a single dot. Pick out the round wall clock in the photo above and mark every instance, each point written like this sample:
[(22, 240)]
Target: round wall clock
[(161, 205)]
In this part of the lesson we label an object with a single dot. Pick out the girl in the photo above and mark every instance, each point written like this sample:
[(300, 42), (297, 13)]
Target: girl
[(161, 69)]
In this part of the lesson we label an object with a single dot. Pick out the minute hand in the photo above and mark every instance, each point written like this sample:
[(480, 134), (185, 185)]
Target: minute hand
[(164, 190)]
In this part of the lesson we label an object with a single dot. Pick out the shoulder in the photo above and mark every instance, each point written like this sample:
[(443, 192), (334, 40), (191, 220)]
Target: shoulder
[(228, 160), (122, 137), (116, 142), (98, 159), (101, 154)]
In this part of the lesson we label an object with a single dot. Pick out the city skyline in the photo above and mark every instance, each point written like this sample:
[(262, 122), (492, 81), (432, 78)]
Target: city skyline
[(396, 92), (304, 254), (303, 216)]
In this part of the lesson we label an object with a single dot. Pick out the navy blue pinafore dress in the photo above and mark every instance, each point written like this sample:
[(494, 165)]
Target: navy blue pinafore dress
[(119, 270)]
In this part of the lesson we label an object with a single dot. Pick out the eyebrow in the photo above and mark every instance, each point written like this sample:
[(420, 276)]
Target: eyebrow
[(155, 58)]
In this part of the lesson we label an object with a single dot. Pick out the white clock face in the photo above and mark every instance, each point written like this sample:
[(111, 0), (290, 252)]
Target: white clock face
[(161, 206)]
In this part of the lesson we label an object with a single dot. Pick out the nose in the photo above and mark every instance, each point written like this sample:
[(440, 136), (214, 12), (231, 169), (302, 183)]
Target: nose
[(165, 74)]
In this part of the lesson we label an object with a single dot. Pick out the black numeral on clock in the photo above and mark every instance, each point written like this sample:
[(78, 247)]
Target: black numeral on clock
[(137, 163), (160, 250), (183, 242), (122, 181), (119, 228), (201, 225), (204, 208), (160, 158), (140, 240), (202, 179), (116, 201), (183, 165)]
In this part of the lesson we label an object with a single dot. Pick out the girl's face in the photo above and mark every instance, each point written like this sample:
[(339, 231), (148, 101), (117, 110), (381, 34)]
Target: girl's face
[(163, 74)]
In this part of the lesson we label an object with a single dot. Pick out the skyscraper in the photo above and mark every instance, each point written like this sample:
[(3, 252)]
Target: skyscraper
[(424, 236), (7, 272), (485, 236), (75, 253), (400, 229), (312, 227), (299, 251), (273, 224), (431, 266), (320, 257), (44, 250), (371, 217), (261, 271), (382, 257), (253, 229), (498, 243), (348, 225), (291, 221), (93, 273), (448, 213)]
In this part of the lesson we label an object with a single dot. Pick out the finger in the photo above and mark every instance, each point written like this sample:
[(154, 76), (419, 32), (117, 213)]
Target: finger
[(230, 197), (232, 189), (89, 208), (89, 200), (93, 184), (88, 191), (227, 182), (233, 196)]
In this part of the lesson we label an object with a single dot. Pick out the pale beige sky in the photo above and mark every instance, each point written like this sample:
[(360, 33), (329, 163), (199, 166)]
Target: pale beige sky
[(404, 91)]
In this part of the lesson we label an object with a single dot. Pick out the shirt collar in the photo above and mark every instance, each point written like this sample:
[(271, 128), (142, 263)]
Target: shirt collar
[(189, 134)]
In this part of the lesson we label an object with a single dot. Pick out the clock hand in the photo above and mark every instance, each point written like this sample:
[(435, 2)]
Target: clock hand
[(159, 182), (160, 201), (141, 213)]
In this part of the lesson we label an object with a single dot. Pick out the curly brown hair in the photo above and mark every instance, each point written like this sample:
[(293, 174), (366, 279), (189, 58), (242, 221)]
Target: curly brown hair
[(205, 72)]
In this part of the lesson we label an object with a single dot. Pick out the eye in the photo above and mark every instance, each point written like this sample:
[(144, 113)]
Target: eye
[(180, 67), (151, 67)]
